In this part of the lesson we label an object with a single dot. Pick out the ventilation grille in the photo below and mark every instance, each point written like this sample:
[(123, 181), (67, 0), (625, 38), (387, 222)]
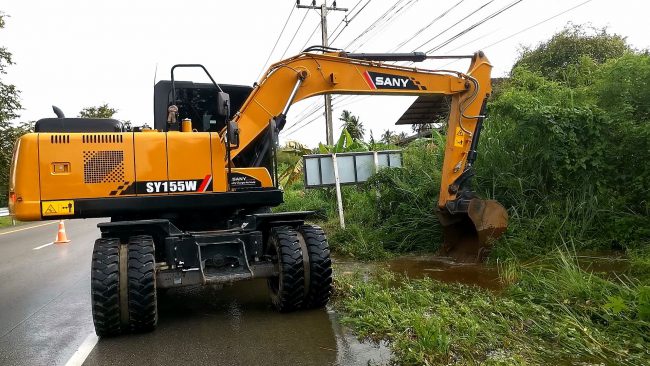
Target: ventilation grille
[(101, 139), (60, 139), (104, 166)]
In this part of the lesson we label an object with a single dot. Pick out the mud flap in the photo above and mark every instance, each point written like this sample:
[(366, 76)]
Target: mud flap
[(469, 235)]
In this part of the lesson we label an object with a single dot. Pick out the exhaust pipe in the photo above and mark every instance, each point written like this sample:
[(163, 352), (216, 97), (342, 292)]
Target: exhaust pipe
[(58, 112)]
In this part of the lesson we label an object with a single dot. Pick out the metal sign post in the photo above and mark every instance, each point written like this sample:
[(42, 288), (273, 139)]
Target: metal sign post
[(339, 198)]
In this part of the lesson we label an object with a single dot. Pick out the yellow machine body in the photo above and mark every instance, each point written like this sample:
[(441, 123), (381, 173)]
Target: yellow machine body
[(54, 174)]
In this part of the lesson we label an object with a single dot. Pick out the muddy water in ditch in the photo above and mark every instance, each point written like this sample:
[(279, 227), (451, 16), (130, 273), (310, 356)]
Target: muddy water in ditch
[(437, 268), (237, 326), (445, 270), (606, 264)]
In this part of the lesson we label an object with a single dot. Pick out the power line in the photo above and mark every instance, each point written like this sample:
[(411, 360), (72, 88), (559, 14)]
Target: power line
[(528, 28), (344, 20), (303, 122), (453, 25), (348, 22), (375, 23), (310, 36), (403, 43), (276, 42), (536, 24), (294, 35), (474, 40), (475, 25), (399, 12)]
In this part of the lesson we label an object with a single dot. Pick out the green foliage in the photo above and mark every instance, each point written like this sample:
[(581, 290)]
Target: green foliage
[(345, 143), (9, 106), (553, 312), (352, 124), (9, 95), (290, 162), (567, 52), (8, 135), (102, 111)]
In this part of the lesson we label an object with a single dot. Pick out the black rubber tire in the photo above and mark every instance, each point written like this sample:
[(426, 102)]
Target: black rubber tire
[(320, 267), (143, 310), (287, 290), (105, 287)]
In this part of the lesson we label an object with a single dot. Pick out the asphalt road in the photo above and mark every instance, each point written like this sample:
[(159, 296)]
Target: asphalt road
[(45, 316)]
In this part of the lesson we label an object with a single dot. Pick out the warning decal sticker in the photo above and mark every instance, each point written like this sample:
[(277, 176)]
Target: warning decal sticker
[(57, 208)]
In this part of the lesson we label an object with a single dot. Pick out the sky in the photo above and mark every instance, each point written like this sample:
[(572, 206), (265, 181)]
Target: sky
[(80, 53)]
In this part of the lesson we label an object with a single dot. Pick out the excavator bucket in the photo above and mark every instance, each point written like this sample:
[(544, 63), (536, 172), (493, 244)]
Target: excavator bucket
[(468, 237)]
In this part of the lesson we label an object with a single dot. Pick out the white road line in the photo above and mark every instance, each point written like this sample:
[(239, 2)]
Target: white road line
[(83, 351), (43, 246), (27, 228)]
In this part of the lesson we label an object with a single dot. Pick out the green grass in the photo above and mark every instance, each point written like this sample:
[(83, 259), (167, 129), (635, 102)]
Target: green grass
[(551, 312), (5, 221)]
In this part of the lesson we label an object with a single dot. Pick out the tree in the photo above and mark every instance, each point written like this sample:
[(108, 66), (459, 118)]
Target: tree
[(353, 125), (388, 137), (9, 105), (9, 95), (102, 111), (574, 47)]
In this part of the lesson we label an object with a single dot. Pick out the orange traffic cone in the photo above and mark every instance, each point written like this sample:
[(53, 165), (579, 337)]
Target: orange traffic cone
[(61, 238)]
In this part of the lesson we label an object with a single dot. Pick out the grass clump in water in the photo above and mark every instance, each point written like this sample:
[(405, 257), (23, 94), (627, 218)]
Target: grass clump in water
[(551, 312)]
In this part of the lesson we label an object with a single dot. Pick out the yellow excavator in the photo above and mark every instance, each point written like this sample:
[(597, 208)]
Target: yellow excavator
[(189, 199)]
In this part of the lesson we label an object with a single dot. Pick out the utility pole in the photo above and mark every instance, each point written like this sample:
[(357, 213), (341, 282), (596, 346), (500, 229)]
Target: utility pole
[(324, 9)]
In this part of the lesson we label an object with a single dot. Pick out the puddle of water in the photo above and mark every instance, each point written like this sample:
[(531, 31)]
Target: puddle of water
[(447, 271), (237, 326), (607, 264), (438, 268)]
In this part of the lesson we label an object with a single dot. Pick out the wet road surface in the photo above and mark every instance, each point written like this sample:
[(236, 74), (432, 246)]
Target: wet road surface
[(45, 315)]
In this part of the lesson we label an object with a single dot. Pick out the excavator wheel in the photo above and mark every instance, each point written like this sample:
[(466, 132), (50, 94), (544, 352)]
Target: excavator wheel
[(143, 311), (105, 287), (318, 280), (287, 289), (468, 237)]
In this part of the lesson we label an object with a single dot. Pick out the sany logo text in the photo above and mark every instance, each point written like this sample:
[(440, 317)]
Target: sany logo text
[(388, 81)]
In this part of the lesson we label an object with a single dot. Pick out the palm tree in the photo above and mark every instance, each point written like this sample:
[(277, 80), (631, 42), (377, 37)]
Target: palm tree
[(353, 125), (388, 137)]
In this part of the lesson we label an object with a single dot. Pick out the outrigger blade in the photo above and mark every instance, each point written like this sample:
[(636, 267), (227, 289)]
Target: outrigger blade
[(469, 235)]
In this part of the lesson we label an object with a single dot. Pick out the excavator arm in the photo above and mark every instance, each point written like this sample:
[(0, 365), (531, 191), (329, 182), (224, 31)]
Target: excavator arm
[(471, 224)]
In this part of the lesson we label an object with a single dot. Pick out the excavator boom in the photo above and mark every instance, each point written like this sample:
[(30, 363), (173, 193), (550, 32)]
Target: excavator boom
[(467, 219)]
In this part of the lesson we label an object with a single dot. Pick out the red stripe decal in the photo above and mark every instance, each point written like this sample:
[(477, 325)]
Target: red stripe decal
[(369, 80), (205, 183)]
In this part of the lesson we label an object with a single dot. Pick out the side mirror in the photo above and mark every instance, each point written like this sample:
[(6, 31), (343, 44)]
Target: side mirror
[(233, 133), (223, 104)]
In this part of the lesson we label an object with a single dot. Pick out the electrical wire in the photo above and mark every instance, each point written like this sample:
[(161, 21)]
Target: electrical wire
[(276, 42), (537, 24), (303, 122), (399, 12), (347, 23), (528, 28), (442, 15), (344, 20), (453, 25), (310, 36), (294, 35), (374, 24), (475, 25)]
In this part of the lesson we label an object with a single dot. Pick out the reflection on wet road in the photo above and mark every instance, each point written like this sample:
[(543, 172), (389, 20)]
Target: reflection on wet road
[(236, 326)]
